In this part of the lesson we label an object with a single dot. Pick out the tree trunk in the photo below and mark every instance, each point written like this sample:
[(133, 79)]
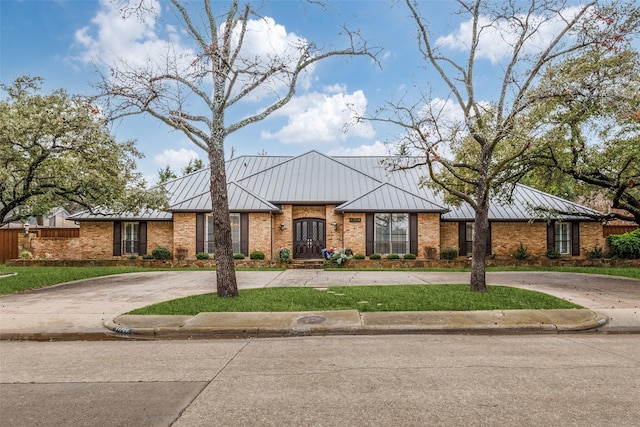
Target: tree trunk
[(227, 285), (479, 252)]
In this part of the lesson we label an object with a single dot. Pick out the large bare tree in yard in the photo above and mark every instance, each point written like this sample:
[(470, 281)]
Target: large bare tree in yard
[(474, 136), (197, 90)]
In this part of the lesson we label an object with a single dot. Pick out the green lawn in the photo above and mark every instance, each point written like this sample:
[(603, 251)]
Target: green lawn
[(362, 298)]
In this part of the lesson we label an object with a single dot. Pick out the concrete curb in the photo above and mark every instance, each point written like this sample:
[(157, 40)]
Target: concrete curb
[(350, 322)]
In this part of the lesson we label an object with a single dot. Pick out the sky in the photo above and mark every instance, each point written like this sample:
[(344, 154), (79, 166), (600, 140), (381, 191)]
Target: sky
[(64, 41)]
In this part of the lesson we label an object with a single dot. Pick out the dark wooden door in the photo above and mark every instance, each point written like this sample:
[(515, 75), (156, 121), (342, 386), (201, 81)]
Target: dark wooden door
[(308, 238)]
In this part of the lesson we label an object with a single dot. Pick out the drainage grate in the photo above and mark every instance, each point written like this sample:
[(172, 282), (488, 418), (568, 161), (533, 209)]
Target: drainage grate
[(312, 320)]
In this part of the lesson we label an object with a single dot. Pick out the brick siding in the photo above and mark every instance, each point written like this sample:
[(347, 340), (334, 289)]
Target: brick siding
[(260, 231), (265, 234), (184, 233)]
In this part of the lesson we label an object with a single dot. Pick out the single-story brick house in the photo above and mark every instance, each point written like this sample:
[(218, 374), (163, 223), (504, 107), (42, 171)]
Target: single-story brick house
[(312, 201)]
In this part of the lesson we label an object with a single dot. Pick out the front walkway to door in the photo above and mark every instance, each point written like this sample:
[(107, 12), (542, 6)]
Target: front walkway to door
[(309, 238)]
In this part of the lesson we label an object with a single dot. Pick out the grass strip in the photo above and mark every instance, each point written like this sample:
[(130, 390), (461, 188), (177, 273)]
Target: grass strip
[(362, 298)]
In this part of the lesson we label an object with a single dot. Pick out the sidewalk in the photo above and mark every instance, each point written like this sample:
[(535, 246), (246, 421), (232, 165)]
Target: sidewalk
[(92, 309)]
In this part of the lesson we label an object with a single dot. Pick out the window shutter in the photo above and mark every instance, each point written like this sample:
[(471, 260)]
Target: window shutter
[(200, 232), (244, 233), (117, 238), (142, 229), (462, 238), (413, 233), (489, 239), (369, 224), (551, 236), (575, 238)]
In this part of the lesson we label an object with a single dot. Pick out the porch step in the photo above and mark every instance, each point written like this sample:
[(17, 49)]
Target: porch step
[(308, 263)]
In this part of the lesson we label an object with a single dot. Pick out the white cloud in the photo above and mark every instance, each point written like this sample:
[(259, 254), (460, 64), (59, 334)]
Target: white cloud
[(176, 159), (111, 38), (318, 117), (375, 149), (497, 39)]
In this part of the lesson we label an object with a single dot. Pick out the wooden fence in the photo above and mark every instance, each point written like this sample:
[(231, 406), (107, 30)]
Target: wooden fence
[(8, 244), (57, 232), (617, 229)]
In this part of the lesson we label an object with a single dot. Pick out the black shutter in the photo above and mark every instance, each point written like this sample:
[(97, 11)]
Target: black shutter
[(551, 236), (369, 225), (117, 238), (489, 239), (142, 229), (575, 238), (462, 238), (413, 233), (200, 232), (244, 233)]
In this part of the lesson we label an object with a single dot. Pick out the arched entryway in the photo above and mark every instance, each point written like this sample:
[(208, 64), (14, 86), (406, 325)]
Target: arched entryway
[(308, 237)]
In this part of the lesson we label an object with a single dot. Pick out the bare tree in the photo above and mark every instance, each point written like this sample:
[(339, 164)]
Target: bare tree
[(479, 152), (193, 91)]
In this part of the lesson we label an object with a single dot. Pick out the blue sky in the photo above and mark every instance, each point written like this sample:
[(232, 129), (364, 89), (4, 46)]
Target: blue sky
[(58, 40)]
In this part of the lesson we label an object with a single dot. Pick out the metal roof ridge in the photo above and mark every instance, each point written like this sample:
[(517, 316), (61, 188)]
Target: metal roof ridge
[(292, 158)]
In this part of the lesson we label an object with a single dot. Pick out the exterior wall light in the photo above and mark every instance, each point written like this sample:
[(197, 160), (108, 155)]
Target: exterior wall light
[(335, 226), (281, 226)]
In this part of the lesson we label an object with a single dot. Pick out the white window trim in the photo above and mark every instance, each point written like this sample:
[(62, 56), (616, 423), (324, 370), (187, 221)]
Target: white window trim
[(558, 232), (391, 241), (135, 241)]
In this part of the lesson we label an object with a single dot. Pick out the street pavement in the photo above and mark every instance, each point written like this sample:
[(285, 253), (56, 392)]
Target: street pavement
[(92, 309), (393, 380)]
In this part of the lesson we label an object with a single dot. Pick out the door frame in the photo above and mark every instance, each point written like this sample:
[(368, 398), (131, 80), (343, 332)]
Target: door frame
[(309, 247)]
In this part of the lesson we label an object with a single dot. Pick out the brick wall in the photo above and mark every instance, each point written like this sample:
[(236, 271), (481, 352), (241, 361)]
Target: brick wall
[(260, 232), (184, 233), (429, 235), (335, 236), (590, 236), (506, 237), (355, 232), (448, 235), (55, 247), (160, 234), (283, 238), (96, 239)]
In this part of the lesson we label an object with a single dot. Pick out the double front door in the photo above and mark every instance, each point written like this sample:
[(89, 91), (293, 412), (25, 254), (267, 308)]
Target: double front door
[(308, 238)]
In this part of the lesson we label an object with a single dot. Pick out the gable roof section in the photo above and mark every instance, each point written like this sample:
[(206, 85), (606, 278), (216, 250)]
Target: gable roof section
[(389, 198), (240, 200), (309, 178)]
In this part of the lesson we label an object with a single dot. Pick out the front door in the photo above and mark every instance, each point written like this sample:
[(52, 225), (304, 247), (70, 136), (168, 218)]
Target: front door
[(308, 238)]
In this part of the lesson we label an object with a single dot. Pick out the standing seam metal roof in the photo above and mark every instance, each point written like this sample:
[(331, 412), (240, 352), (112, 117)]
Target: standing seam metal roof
[(362, 183)]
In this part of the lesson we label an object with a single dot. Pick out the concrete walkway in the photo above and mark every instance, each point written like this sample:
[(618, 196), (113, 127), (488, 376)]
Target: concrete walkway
[(91, 309)]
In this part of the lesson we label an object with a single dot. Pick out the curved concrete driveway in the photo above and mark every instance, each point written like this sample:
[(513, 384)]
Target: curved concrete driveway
[(82, 307)]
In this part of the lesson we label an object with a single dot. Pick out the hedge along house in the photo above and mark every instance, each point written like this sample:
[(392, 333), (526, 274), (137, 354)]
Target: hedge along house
[(312, 201)]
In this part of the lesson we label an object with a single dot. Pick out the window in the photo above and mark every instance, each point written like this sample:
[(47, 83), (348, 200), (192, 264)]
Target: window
[(131, 238), (391, 233), (562, 232), (234, 218), (469, 238)]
